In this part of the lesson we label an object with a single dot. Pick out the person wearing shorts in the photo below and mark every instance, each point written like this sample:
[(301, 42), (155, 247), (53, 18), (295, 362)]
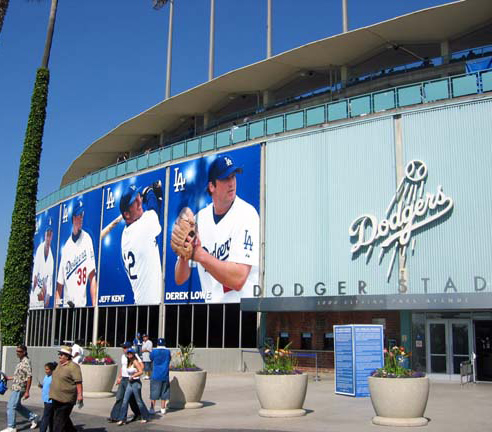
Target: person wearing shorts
[(159, 381)]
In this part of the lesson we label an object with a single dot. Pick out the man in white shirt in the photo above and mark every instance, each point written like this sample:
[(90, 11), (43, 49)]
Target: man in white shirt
[(146, 350), (122, 383), (77, 352)]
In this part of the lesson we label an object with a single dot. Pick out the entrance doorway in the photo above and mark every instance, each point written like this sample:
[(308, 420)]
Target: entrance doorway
[(483, 349), (449, 342)]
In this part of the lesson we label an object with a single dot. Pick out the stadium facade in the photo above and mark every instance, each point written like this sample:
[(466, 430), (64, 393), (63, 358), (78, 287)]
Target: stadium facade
[(367, 157)]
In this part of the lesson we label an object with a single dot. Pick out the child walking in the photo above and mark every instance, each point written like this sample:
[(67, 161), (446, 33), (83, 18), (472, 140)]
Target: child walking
[(48, 405)]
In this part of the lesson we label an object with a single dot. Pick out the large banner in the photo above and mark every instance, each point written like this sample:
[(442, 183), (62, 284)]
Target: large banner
[(222, 192), (131, 241), (42, 290), (76, 280)]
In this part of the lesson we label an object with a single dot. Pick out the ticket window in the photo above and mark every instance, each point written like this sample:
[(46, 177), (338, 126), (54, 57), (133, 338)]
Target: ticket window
[(306, 341), (283, 339), (328, 342)]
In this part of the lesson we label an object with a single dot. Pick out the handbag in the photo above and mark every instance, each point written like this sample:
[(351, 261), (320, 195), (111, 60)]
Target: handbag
[(3, 383)]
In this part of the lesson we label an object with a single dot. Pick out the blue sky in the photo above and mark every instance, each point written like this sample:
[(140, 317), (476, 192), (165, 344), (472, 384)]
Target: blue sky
[(108, 64)]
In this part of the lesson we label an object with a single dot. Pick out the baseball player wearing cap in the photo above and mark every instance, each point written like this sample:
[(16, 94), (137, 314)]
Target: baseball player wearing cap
[(227, 243), (42, 272), (77, 264), (139, 247)]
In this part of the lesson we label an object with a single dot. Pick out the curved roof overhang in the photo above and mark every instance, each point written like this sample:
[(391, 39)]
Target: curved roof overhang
[(437, 24)]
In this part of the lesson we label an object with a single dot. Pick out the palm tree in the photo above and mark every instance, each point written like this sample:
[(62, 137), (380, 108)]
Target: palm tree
[(4, 4), (17, 276)]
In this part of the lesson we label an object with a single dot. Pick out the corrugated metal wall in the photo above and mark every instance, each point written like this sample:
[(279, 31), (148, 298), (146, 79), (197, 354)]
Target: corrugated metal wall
[(316, 185), (455, 143)]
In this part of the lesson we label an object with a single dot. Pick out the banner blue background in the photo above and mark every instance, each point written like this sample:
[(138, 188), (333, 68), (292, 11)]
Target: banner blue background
[(195, 196), (114, 285)]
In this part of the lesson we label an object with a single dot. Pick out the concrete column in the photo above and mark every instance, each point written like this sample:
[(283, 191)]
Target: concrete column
[(207, 119), (445, 51), (344, 75), (267, 98)]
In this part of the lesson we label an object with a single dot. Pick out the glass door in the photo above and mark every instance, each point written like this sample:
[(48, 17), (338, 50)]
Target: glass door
[(448, 344)]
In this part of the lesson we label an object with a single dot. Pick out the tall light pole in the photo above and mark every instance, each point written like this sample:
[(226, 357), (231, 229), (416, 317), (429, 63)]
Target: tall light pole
[(269, 29), (345, 15), (157, 4), (212, 41)]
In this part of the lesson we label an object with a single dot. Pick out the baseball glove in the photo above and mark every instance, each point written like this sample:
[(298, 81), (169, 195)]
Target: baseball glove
[(183, 228)]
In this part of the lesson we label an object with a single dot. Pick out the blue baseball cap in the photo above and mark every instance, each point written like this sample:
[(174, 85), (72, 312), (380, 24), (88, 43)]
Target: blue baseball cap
[(49, 224), (130, 350), (222, 167), (161, 342), (126, 345), (128, 197), (78, 207)]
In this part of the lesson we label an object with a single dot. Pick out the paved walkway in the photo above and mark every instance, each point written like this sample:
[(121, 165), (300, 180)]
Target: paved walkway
[(231, 405)]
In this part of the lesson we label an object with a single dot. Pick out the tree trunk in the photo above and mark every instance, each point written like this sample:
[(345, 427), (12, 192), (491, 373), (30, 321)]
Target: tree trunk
[(4, 4), (49, 34)]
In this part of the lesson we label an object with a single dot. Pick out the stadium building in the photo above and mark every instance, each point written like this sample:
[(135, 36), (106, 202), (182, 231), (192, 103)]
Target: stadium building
[(367, 158)]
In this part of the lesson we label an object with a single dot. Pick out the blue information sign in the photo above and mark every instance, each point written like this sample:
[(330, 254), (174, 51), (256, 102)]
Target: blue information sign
[(358, 352)]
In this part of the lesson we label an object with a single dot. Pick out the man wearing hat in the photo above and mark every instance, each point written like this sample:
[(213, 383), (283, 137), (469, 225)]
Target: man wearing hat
[(77, 264), (42, 272), (66, 389), (159, 381), (227, 244), (139, 247), (122, 382)]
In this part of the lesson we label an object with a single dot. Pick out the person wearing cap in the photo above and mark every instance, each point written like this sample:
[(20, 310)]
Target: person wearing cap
[(134, 388), (66, 389), (139, 247), (227, 243), (159, 381), (21, 385), (42, 272), (147, 347), (122, 383), (77, 264)]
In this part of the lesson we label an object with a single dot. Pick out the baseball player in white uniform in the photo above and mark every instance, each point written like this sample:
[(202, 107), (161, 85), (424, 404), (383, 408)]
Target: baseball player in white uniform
[(139, 247), (77, 264), (227, 243), (42, 272)]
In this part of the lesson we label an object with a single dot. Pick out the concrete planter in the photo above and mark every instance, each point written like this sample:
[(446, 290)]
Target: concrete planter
[(187, 389), (399, 401), (281, 395), (98, 380)]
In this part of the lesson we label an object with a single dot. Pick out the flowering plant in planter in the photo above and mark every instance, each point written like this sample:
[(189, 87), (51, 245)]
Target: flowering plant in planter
[(182, 359), (394, 360), (278, 361), (98, 354)]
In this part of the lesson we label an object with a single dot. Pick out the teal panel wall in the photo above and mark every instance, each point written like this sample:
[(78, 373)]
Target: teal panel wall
[(454, 142), (316, 185)]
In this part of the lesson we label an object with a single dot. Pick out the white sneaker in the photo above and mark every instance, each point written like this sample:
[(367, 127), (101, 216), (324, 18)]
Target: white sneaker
[(9, 429), (163, 411), (151, 411), (146, 378), (34, 423)]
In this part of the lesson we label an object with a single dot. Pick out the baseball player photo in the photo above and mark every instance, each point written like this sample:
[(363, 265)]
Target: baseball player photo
[(41, 293), (221, 241), (131, 265), (76, 282)]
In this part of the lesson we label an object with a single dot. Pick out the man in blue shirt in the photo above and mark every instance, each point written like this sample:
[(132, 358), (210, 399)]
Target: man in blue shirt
[(159, 384)]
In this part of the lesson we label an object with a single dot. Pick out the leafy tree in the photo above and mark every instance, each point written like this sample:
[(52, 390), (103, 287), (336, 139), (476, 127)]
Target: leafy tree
[(4, 4), (18, 265)]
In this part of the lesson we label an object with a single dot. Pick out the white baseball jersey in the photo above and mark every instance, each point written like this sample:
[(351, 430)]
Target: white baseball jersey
[(42, 272), (141, 257), (234, 238), (76, 264)]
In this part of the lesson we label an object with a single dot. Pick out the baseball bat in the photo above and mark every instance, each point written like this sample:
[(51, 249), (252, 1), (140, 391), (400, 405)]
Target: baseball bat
[(107, 229)]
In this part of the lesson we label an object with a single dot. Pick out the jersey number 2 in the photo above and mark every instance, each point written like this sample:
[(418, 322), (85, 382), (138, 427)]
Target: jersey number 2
[(130, 259)]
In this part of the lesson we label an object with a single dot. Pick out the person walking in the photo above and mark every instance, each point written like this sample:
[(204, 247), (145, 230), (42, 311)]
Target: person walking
[(77, 352), (134, 387), (146, 350), (47, 420), (66, 390), (21, 384), (122, 382), (159, 381)]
